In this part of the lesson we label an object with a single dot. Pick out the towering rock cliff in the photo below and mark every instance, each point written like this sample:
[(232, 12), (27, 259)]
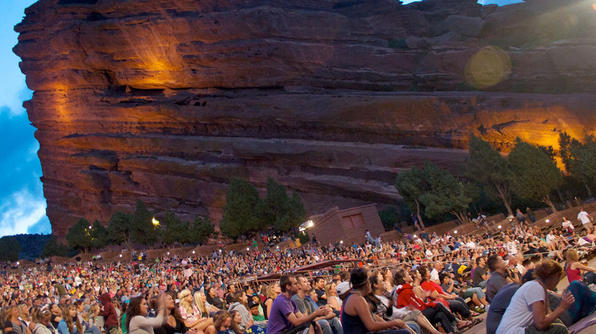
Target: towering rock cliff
[(166, 100)]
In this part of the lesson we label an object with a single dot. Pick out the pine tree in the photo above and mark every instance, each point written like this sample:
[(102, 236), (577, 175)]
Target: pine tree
[(99, 235), (143, 230), (200, 230), (535, 173), (240, 213), (119, 228), (174, 229), (78, 236), (490, 170), (9, 249)]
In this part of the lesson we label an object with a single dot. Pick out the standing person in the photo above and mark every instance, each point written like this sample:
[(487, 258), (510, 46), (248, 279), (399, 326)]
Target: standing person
[(586, 220), (285, 316), (528, 311), (356, 317), (108, 312), (137, 321)]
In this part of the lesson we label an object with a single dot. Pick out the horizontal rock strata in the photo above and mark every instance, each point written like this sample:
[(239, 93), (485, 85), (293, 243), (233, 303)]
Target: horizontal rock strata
[(165, 101)]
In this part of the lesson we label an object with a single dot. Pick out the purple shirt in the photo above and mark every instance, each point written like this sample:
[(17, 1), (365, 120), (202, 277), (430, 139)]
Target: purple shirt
[(280, 309)]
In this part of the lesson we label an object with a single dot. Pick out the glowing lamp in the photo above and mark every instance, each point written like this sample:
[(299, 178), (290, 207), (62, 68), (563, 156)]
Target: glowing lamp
[(168, 253), (18, 263), (310, 224), (499, 227), (90, 227), (341, 242), (548, 220), (455, 231), (193, 252), (120, 255), (247, 249), (155, 222)]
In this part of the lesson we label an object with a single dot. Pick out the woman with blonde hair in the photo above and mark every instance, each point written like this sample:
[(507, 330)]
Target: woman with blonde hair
[(574, 268), (191, 314), (332, 299), (271, 292)]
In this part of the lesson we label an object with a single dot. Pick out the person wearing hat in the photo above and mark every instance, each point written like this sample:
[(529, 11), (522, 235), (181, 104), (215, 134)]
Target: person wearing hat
[(356, 317)]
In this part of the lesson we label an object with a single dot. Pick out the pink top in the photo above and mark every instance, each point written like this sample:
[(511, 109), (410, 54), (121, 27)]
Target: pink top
[(573, 274)]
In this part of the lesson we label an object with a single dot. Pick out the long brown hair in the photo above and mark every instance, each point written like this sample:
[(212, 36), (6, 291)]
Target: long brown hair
[(70, 321), (133, 309), (235, 326)]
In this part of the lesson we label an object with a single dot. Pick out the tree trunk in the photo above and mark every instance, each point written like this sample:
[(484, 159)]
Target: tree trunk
[(418, 214), (505, 201), (550, 203)]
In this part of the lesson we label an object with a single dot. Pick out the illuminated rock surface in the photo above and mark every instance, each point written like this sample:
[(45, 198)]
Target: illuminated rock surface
[(165, 100)]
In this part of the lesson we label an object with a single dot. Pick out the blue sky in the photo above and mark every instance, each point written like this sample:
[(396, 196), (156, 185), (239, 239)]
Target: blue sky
[(22, 205)]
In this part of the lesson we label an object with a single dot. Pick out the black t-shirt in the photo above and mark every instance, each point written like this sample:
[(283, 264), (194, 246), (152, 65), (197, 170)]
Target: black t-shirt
[(478, 273), (167, 329), (320, 293), (217, 302)]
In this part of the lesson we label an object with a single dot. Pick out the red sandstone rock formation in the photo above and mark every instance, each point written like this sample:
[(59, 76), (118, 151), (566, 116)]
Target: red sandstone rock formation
[(165, 100)]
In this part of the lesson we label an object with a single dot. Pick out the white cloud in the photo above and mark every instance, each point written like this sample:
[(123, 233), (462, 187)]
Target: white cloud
[(20, 211)]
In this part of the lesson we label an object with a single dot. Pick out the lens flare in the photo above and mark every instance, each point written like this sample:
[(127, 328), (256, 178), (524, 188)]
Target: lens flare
[(487, 67)]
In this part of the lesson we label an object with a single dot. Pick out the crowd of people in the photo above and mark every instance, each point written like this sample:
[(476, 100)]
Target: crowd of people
[(423, 283)]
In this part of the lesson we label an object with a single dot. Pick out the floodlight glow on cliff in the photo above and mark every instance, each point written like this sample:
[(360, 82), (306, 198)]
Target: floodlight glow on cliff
[(155, 222)]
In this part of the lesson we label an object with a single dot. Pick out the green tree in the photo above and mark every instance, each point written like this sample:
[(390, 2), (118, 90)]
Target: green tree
[(535, 173), (119, 228), (9, 249), (240, 213), (296, 211), (579, 159), (53, 248), (411, 184), (389, 217), (446, 194), (279, 210), (99, 235), (78, 236), (143, 230), (174, 229), (200, 230), (490, 170)]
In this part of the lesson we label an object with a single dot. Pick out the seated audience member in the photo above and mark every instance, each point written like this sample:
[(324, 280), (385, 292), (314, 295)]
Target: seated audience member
[(329, 324), (498, 276), (574, 268), (434, 312), (285, 316), (356, 317), (528, 311)]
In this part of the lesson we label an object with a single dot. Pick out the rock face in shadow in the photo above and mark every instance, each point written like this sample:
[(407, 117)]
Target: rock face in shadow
[(165, 101)]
